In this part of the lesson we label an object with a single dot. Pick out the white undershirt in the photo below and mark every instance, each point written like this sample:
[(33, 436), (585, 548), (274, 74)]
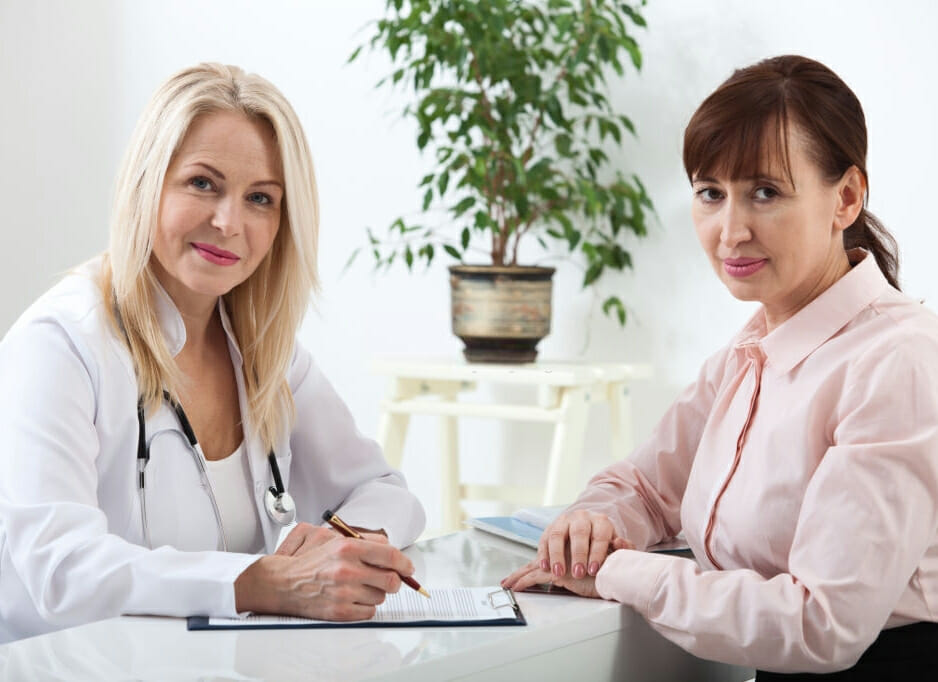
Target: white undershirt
[(231, 482)]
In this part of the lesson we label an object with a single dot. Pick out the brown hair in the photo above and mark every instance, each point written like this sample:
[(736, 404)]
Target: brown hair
[(745, 121)]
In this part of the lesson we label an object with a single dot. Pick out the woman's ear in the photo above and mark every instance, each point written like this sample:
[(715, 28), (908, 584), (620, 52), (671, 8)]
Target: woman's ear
[(851, 192)]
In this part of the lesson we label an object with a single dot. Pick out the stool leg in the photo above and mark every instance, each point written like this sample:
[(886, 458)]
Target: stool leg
[(392, 426), (569, 434), (449, 474), (392, 431), (620, 420)]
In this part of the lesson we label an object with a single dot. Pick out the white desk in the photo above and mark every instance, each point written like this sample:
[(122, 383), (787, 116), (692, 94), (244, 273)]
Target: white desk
[(567, 638), (565, 390)]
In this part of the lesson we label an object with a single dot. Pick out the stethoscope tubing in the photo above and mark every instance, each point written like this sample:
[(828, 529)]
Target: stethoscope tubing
[(279, 504)]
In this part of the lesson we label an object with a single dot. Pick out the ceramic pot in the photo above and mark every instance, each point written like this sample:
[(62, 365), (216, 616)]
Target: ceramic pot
[(500, 312)]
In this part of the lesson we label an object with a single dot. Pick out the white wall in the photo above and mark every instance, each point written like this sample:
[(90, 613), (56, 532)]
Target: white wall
[(74, 76)]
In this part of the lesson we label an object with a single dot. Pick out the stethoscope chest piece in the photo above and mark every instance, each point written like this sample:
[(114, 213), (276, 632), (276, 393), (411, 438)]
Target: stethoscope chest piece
[(280, 506)]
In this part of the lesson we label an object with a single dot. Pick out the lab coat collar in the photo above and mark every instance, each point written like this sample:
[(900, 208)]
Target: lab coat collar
[(174, 333), (805, 331), (174, 329)]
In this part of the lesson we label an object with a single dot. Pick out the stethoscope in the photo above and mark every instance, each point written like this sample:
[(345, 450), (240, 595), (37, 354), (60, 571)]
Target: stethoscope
[(277, 501)]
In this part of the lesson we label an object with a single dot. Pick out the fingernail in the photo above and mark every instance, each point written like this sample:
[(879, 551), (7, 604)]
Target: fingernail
[(579, 570), (594, 568), (558, 569), (544, 565)]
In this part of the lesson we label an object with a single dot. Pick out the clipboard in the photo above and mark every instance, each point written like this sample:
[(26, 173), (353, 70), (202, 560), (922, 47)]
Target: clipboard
[(447, 607)]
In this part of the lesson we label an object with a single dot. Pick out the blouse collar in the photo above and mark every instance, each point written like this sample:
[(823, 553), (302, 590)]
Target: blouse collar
[(786, 346)]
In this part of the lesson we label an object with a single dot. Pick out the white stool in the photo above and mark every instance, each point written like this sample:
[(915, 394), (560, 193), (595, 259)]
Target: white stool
[(565, 391)]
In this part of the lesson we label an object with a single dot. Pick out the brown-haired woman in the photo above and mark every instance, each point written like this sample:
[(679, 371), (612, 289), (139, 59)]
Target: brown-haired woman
[(802, 465)]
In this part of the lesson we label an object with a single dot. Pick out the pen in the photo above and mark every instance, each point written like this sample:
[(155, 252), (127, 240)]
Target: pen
[(349, 532)]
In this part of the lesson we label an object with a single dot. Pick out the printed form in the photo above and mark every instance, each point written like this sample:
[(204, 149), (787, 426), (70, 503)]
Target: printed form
[(453, 604)]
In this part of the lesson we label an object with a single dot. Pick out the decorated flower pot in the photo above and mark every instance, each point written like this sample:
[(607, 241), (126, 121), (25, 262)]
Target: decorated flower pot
[(500, 312)]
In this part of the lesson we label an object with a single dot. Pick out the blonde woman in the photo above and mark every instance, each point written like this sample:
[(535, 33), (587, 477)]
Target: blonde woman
[(161, 431)]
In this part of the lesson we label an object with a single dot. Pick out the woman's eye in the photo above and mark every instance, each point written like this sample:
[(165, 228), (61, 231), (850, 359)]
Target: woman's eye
[(765, 193), (201, 183), (259, 198), (709, 194)]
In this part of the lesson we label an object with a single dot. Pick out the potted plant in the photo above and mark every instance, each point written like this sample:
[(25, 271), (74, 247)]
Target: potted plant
[(511, 97)]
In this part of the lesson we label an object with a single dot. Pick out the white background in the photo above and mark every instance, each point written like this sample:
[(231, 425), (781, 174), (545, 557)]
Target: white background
[(75, 75)]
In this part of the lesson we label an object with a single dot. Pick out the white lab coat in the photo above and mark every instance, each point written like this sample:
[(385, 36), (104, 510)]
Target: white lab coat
[(71, 539)]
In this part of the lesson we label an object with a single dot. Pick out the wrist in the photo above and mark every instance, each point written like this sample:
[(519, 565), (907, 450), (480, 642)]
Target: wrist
[(255, 588)]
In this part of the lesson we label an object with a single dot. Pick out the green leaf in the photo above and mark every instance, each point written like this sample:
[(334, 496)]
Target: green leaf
[(463, 206), (422, 139), (452, 251), (427, 198), (555, 112), (563, 143), (427, 179), (632, 48), (613, 303), (627, 122), (443, 182), (409, 258), (592, 273), (354, 55), (465, 238), (637, 18), (351, 259)]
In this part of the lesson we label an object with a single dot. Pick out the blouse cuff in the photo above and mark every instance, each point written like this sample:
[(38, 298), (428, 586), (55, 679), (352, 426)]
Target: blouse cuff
[(632, 577)]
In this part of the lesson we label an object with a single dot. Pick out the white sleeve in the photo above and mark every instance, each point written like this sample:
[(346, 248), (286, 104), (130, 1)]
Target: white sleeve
[(72, 569), (337, 468)]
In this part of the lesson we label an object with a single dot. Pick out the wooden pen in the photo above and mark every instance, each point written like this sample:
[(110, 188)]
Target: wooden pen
[(349, 532)]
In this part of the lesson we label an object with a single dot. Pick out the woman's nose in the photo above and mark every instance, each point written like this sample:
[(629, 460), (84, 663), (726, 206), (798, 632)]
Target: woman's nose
[(227, 215), (734, 228)]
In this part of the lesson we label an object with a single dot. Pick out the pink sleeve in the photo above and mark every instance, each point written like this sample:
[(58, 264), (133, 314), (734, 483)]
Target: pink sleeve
[(868, 516), (642, 494)]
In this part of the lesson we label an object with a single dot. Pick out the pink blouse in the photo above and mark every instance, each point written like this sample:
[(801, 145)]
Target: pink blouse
[(803, 468)]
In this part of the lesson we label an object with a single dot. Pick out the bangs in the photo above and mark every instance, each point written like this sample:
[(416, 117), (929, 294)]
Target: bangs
[(736, 138)]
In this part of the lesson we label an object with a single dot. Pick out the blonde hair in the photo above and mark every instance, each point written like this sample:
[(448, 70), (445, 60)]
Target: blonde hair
[(267, 308)]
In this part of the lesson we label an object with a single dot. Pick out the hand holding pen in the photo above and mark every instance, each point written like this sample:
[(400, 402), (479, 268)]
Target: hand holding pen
[(346, 530)]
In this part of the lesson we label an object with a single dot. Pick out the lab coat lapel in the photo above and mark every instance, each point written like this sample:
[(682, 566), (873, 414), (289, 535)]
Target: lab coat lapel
[(257, 457)]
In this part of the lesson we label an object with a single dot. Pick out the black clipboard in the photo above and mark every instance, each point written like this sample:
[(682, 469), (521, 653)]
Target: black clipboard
[(500, 599)]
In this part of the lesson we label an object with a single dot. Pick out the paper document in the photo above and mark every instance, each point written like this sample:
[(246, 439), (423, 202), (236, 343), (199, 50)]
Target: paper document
[(448, 606)]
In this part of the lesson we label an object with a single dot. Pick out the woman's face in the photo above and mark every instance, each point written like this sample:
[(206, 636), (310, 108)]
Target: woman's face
[(219, 208), (778, 240)]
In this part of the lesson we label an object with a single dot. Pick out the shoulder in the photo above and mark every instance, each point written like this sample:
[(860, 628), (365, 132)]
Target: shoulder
[(71, 317), (898, 327), (890, 352)]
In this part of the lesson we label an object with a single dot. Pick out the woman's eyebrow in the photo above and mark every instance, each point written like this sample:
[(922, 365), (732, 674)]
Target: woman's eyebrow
[(214, 171), (221, 176)]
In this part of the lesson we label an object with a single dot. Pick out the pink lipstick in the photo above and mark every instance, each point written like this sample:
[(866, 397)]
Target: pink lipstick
[(743, 267), (215, 255)]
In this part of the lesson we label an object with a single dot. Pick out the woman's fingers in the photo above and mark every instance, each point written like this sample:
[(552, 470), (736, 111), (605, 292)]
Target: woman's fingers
[(557, 548), (603, 533), (380, 538), (303, 538), (576, 544), (513, 578), (534, 576), (622, 543), (581, 540)]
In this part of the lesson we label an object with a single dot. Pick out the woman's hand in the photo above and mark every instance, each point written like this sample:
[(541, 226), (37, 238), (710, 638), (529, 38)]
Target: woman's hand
[(338, 579), (532, 574), (578, 542), (306, 536)]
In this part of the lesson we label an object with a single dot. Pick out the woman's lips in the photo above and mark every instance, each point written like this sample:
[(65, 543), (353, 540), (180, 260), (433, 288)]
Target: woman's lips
[(215, 255), (743, 267)]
